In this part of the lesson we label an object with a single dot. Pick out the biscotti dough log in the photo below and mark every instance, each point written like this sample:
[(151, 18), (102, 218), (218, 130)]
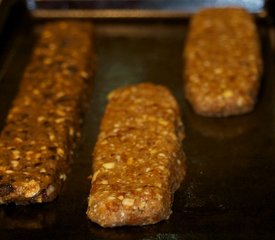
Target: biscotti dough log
[(138, 161), (222, 62), (41, 128)]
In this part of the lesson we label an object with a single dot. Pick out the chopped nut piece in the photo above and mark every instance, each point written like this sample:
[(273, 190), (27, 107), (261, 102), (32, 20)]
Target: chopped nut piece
[(71, 131), (14, 163), (63, 177), (31, 188), (128, 202), (95, 176), (161, 155), (60, 120), (60, 113), (228, 94), (240, 101), (28, 153), (159, 185), (52, 137), (109, 165), (217, 70), (142, 205), (84, 74), (161, 167), (16, 152), (111, 198), (163, 122), (61, 152), (159, 196), (17, 139), (120, 197), (104, 182), (41, 119)]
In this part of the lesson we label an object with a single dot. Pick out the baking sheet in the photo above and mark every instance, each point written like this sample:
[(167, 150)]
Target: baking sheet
[(229, 189)]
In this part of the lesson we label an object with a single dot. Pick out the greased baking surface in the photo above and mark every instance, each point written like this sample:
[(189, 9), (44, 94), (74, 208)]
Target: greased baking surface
[(138, 161)]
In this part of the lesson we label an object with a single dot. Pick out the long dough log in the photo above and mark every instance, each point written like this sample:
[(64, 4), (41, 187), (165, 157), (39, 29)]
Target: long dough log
[(222, 62), (37, 141), (138, 159)]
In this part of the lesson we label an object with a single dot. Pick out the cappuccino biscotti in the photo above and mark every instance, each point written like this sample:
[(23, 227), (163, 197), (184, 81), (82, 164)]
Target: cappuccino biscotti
[(37, 142), (138, 161), (222, 62)]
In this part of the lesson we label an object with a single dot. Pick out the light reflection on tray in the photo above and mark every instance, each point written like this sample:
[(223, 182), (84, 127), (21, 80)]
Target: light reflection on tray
[(254, 6)]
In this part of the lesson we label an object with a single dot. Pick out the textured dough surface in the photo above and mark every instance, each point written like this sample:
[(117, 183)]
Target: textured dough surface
[(222, 62), (37, 142), (138, 161)]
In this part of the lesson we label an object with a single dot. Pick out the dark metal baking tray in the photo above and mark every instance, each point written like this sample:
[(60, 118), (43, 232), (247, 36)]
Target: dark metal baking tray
[(229, 189)]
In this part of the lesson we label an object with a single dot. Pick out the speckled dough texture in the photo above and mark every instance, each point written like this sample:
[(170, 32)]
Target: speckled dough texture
[(222, 62), (43, 124), (138, 161)]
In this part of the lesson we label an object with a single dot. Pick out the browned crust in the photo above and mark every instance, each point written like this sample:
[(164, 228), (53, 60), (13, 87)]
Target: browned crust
[(38, 139), (138, 161), (222, 62)]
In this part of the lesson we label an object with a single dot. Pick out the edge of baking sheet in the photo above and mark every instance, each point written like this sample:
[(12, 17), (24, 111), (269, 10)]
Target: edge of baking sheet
[(118, 14), (95, 13), (136, 9)]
